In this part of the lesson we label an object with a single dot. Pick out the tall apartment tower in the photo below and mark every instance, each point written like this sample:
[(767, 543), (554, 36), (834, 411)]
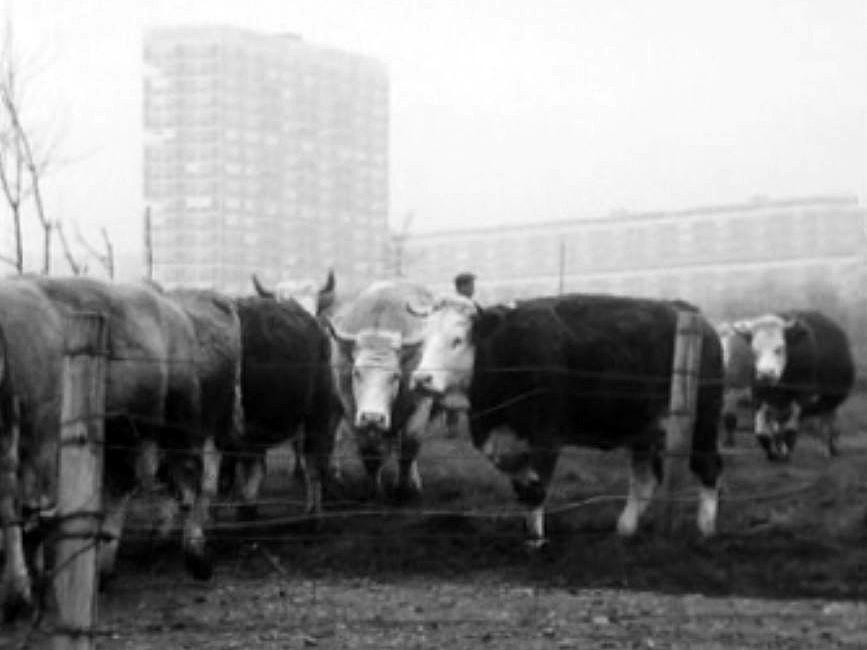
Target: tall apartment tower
[(263, 153)]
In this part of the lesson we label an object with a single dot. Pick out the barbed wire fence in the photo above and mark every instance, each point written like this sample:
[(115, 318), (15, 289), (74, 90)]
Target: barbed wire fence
[(78, 518)]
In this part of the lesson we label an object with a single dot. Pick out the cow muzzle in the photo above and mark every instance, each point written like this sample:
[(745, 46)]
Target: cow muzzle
[(373, 420)]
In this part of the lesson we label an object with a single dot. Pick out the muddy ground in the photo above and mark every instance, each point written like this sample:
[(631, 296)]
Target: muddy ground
[(788, 569)]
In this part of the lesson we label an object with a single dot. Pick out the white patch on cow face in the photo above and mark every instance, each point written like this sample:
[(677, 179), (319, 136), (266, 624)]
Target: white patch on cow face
[(769, 349), (448, 353), (375, 384)]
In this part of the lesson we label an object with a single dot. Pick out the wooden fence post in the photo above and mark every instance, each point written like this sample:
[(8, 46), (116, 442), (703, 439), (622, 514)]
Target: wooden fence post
[(79, 483), (682, 406)]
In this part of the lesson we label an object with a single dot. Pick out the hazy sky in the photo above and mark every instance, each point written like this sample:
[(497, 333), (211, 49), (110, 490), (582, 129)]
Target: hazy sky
[(507, 111)]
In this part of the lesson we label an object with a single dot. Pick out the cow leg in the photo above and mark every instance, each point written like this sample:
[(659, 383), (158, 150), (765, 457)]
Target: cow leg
[(15, 586), (187, 473), (317, 451), (828, 422), (370, 448), (531, 487), (705, 463), (211, 461), (408, 477), (642, 484), (764, 429), (194, 508), (147, 464), (409, 484), (251, 473), (730, 417), (299, 471), (115, 508), (785, 441)]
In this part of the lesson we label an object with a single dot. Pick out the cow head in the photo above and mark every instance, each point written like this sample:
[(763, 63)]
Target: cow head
[(454, 327), (767, 337), (317, 301), (376, 361)]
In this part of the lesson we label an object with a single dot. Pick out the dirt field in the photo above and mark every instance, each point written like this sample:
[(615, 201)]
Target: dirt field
[(788, 570)]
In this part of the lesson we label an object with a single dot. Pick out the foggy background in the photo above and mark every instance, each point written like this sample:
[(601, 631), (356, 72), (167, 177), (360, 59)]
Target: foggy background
[(501, 112)]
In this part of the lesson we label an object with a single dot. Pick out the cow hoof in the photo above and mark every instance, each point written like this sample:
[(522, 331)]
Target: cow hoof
[(535, 545), (17, 606), (200, 564)]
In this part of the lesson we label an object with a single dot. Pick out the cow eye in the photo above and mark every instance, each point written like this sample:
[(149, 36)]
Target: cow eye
[(778, 350), (356, 373), (456, 342), (395, 377)]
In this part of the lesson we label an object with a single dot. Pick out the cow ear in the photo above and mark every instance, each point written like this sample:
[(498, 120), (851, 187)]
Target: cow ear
[(486, 321), (795, 329)]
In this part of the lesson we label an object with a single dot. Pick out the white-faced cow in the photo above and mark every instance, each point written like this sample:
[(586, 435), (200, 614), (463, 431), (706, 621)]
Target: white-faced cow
[(583, 370), (803, 369), (152, 400), (738, 378), (376, 343)]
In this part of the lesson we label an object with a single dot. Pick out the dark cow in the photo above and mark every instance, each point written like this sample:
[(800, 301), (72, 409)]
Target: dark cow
[(376, 344), (738, 378), (583, 370), (218, 361), (152, 400), (319, 302), (803, 369), (286, 389)]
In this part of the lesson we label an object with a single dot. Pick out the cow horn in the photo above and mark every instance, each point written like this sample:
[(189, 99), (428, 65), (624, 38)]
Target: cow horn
[(262, 291), (328, 287), (419, 311), (325, 297)]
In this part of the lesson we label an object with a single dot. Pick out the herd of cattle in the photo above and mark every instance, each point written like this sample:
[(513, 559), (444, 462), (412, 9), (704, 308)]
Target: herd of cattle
[(200, 385)]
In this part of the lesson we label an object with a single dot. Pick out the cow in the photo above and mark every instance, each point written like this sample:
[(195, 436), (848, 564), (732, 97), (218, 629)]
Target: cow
[(286, 389), (152, 401), (738, 377), (579, 370), (375, 348), (803, 369), (319, 302), (218, 361)]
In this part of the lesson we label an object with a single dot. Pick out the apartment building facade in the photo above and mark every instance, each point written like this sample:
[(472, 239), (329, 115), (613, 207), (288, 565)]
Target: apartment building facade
[(263, 153), (711, 256)]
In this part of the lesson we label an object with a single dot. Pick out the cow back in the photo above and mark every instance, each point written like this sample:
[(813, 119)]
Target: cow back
[(596, 369), (285, 369)]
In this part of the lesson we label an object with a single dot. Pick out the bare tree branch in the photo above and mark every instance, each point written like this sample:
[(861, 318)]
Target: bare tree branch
[(74, 266), (106, 259)]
